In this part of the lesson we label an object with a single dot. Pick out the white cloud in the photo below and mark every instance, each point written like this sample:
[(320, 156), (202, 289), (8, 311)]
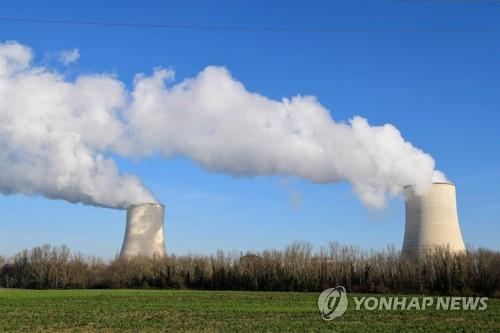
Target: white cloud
[(68, 57), (216, 122), (55, 133)]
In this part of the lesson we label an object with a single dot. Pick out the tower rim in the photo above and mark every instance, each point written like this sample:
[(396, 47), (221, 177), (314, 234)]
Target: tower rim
[(435, 183), (146, 204)]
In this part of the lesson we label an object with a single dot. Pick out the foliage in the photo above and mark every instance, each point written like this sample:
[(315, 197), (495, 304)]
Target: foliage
[(296, 268)]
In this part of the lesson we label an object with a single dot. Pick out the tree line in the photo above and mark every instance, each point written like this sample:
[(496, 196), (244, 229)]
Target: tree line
[(295, 268)]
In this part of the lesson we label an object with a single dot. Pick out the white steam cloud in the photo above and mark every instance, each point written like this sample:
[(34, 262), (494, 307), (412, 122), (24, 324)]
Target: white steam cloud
[(55, 134), (68, 57)]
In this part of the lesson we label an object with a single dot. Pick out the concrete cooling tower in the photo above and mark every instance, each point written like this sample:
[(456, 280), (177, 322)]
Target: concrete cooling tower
[(144, 232), (431, 220)]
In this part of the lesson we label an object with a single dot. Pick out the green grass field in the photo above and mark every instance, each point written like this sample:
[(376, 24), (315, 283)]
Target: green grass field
[(215, 311)]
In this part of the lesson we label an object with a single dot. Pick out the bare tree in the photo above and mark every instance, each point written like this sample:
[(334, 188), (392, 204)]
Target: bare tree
[(296, 268)]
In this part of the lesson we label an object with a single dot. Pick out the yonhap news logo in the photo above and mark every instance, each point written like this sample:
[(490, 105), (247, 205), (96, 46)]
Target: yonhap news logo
[(333, 303)]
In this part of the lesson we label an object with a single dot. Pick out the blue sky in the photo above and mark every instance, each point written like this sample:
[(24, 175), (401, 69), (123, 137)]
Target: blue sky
[(431, 68)]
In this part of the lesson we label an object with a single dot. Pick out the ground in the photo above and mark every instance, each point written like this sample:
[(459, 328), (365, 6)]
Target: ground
[(215, 311)]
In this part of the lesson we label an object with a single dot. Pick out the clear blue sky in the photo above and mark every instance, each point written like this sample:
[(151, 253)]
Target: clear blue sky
[(431, 68)]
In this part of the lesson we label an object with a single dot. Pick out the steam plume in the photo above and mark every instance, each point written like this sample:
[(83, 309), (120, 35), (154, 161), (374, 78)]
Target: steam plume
[(55, 135)]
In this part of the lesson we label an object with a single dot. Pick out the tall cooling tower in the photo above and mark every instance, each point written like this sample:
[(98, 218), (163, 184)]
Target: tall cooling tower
[(431, 220), (144, 232)]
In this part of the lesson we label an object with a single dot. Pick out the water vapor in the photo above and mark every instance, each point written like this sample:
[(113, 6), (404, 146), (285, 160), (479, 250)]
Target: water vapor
[(56, 135)]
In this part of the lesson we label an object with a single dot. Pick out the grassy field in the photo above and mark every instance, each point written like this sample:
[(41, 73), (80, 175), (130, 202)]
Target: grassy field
[(214, 311)]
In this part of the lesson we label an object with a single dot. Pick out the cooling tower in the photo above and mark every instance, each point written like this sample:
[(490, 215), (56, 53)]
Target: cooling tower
[(431, 220), (144, 231)]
